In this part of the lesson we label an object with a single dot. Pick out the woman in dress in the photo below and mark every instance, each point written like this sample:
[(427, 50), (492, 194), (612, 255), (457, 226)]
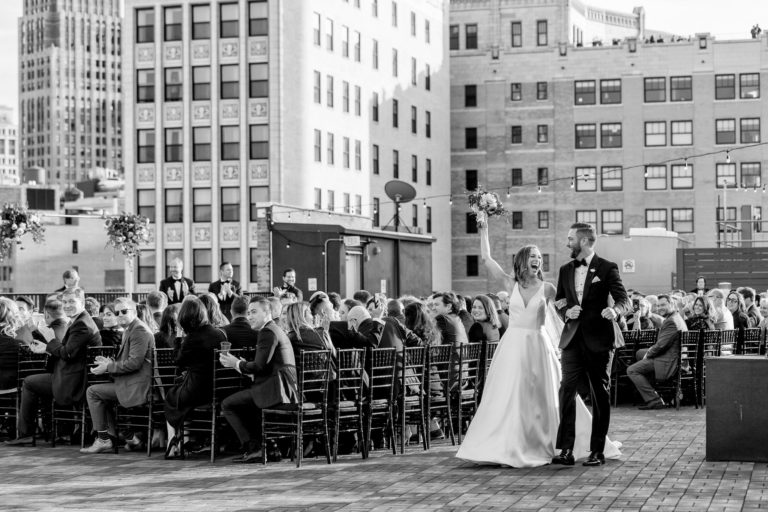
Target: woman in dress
[(486, 325), (735, 304), (703, 315), (516, 422)]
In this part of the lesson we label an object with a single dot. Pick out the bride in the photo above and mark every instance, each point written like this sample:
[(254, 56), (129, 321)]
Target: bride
[(517, 419)]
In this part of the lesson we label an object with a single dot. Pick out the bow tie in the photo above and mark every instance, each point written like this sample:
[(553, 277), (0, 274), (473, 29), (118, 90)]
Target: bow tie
[(578, 263)]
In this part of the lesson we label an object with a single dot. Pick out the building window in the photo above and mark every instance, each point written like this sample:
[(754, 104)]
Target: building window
[(375, 8), (228, 20), (725, 131), (428, 124), (749, 86), (517, 220), (347, 202), (230, 142), (145, 203), (413, 24), (318, 199), (330, 147), (358, 204), (414, 120), (201, 265), (611, 178), (201, 83), (429, 219), (680, 88), (682, 220), (725, 175), (542, 133), (394, 62), (358, 100), (541, 33), (750, 130), (517, 135), (173, 145), (610, 135), (517, 34), (725, 87), (345, 152), (172, 84), (257, 18), (145, 150), (682, 133), (146, 267), (357, 46), (586, 179), (750, 175), (316, 28), (470, 138), (517, 177), (259, 142), (201, 204), (655, 90), (375, 107), (414, 72), (395, 164), (329, 34), (253, 273), (145, 25), (470, 33), (174, 211), (428, 171), (656, 133), (730, 220), (471, 223), (427, 77), (516, 92), (394, 14), (655, 177), (473, 267), (375, 158), (656, 218), (317, 88), (587, 217), (376, 212), (543, 219), (331, 195), (395, 113), (258, 81), (201, 22), (232, 256), (542, 176), (541, 90), (318, 146), (613, 222), (453, 37), (172, 19), (586, 137), (682, 176), (358, 156), (230, 204), (584, 92), (145, 86), (427, 32), (545, 262), (329, 91), (375, 54), (610, 91), (230, 82), (470, 179)]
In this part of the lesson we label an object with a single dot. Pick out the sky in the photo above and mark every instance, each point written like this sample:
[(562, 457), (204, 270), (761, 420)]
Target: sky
[(731, 19)]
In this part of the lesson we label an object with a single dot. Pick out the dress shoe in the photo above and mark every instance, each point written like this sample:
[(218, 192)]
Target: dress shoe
[(565, 458), (594, 459), (20, 441), (135, 444), (99, 446), (248, 458), (173, 450), (655, 404)]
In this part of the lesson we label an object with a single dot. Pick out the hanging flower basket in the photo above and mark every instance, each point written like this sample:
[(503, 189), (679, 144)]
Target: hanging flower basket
[(126, 232), (15, 222)]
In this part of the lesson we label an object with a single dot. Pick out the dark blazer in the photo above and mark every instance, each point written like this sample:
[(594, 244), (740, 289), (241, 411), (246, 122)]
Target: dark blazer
[(132, 369), (240, 333), (111, 337), (666, 350), (341, 336), (451, 330), (603, 280), (167, 286), (225, 304), (9, 359), (466, 320), (68, 357), (59, 327), (310, 340), (273, 368), (396, 335), (483, 331), (741, 320), (755, 317)]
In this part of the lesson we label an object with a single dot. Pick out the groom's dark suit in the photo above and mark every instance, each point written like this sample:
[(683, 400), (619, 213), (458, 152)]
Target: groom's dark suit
[(587, 344)]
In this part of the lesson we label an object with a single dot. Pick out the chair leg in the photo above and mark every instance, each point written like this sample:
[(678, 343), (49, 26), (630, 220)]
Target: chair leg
[(423, 426), (299, 441), (328, 442), (458, 417), (263, 440), (360, 436), (53, 425), (336, 427), (402, 427), (214, 416), (149, 428)]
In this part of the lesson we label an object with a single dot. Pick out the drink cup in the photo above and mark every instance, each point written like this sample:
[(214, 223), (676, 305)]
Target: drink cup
[(225, 346)]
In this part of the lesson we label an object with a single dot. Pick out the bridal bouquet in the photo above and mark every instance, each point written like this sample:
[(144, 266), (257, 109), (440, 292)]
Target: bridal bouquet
[(126, 232), (16, 221), (485, 204)]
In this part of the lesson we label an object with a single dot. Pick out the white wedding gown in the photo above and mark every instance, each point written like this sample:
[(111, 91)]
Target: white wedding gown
[(516, 422)]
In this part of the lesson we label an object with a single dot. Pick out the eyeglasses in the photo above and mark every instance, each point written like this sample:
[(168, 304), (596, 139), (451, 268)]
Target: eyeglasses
[(119, 312), (731, 299)]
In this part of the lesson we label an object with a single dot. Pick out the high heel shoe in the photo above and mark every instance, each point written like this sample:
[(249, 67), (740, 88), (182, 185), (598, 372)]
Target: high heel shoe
[(173, 451)]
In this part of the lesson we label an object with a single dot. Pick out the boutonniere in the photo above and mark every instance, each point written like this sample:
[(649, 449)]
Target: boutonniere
[(592, 270)]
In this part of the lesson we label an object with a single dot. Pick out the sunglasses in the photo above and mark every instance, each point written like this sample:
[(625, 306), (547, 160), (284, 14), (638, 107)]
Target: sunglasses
[(119, 312)]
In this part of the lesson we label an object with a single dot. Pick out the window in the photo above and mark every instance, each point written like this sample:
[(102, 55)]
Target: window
[(470, 179), (317, 88), (427, 31), (201, 204), (473, 267), (228, 20), (655, 177), (258, 83), (415, 215), (173, 84), (587, 217), (730, 220), (358, 204), (345, 152), (757, 216), (543, 219), (750, 175), (395, 163), (345, 96), (174, 211), (680, 88), (316, 28), (254, 266), (586, 179), (682, 220), (541, 33), (656, 218), (172, 18), (145, 25), (725, 87), (470, 138), (357, 46), (545, 262), (517, 177), (470, 33), (145, 204), (230, 204), (201, 22), (725, 131), (428, 124), (427, 78), (201, 265), (517, 135), (471, 220), (413, 24), (146, 270), (517, 220), (329, 90), (395, 113), (517, 34), (145, 86), (586, 137), (682, 176), (429, 219), (233, 257), (656, 133), (201, 83), (375, 107), (453, 37), (584, 92), (428, 171), (682, 133), (330, 147), (394, 14), (610, 91), (375, 157), (230, 142), (318, 146), (358, 155), (376, 211), (613, 222), (230, 82), (259, 142), (345, 41), (173, 145), (347, 202), (655, 90), (329, 34), (750, 130), (318, 199), (375, 54), (414, 71), (542, 176), (541, 90), (394, 62), (749, 86), (725, 175), (375, 8), (331, 201), (610, 135), (611, 178), (414, 120), (516, 93), (145, 151)]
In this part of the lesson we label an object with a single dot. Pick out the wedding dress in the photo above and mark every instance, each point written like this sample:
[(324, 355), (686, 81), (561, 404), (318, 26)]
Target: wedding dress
[(516, 422)]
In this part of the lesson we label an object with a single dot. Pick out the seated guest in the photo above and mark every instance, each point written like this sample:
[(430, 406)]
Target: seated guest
[(735, 304), (703, 314), (323, 315), (346, 305), (111, 333), (362, 296), (9, 345), (274, 381), (276, 309), (143, 313), (26, 307), (503, 316), (239, 331), (395, 333), (724, 318), (335, 299), (376, 306), (446, 310), (395, 310), (92, 306), (753, 311), (660, 360), (418, 320), (67, 382), (300, 331), (642, 318), (195, 359), (225, 289), (366, 332), (169, 334), (215, 316), (487, 324), (465, 304), (131, 374), (504, 299), (156, 303), (54, 318)]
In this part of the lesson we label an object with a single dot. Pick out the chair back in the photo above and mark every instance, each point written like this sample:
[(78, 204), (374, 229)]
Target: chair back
[(750, 341), (349, 374), (30, 363), (728, 340), (689, 351), (412, 377), (645, 338), (381, 378), (164, 370), (314, 369), (227, 380), (710, 343), (91, 353), (440, 369), (490, 350), (470, 357)]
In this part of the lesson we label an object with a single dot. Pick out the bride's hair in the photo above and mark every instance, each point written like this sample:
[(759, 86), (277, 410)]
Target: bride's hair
[(521, 262)]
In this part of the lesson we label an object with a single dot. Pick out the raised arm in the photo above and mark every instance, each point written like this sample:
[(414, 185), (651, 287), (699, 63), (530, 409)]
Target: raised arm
[(494, 269)]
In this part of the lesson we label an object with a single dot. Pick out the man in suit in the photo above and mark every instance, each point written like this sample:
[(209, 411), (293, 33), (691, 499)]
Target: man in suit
[(365, 331), (226, 288), (661, 360), (274, 380), (589, 336), (239, 332), (54, 318), (288, 290), (753, 312), (176, 286), (67, 382), (131, 375)]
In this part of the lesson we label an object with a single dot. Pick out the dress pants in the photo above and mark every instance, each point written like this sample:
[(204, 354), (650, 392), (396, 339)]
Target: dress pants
[(102, 399), (638, 372), (34, 388), (241, 412)]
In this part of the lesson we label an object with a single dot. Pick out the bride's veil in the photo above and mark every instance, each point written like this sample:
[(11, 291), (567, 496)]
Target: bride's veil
[(553, 325)]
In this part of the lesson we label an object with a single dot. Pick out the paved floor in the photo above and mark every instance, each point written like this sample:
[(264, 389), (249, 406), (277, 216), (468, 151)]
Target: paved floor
[(663, 468)]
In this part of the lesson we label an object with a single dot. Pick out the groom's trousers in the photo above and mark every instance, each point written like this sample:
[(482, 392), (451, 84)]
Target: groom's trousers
[(577, 362)]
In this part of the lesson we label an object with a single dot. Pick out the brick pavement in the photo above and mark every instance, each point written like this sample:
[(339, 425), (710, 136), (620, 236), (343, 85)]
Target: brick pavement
[(663, 468)]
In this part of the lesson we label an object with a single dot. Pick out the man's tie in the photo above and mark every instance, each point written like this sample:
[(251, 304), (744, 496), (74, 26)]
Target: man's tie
[(578, 263)]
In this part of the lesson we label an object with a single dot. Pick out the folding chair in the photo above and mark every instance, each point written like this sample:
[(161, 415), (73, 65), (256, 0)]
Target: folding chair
[(466, 393), (346, 403), (438, 392), (379, 397)]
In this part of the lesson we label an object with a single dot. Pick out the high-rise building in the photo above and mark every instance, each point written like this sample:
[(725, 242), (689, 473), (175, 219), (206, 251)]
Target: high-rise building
[(239, 111), (9, 163), (572, 113), (70, 77)]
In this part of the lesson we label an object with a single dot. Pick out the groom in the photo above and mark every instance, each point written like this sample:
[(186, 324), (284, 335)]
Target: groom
[(589, 337)]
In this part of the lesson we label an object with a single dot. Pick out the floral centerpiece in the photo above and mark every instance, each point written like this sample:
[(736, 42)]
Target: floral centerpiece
[(485, 204), (126, 231), (15, 222)]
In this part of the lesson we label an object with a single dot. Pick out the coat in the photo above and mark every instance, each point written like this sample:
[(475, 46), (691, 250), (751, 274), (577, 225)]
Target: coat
[(273, 369), (132, 369), (240, 333), (168, 287), (666, 351), (68, 359)]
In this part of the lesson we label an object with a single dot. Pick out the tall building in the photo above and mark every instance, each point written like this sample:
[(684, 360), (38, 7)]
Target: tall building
[(573, 113), (69, 87), (246, 119), (9, 163)]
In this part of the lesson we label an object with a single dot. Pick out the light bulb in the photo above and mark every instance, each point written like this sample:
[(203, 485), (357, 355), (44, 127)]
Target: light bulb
[(508, 192), (727, 156)]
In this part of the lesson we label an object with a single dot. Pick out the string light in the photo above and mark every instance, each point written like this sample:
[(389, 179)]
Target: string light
[(289, 215), (646, 172), (450, 200), (425, 202), (686, 164), (288, 245), (508, 192), (539, 189), (727, 156), (573, 184)]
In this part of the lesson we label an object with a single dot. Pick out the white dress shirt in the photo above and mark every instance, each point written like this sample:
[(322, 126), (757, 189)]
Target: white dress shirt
[(580, 276)]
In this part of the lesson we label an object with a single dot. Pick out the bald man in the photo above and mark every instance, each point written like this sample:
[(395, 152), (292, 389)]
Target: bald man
[(367, 331)]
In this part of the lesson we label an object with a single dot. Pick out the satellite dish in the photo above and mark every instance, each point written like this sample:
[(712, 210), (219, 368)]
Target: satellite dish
[(399, 191)]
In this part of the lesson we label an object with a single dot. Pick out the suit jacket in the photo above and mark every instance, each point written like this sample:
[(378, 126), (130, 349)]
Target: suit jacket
[(9, 359), (167, 286), (59, 326), (226, 303), (755, 317), (132, 369), (240, 333), (273, 368), (603, 281), (666, 350), (68, 357)]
